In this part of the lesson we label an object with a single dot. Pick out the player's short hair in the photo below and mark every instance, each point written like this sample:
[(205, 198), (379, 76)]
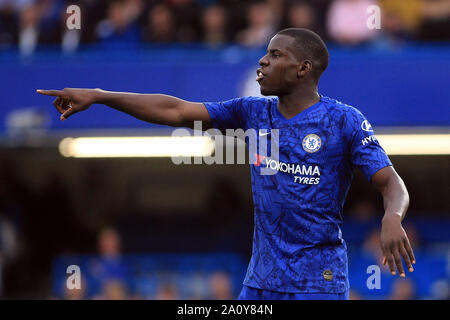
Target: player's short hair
[(309, 45)]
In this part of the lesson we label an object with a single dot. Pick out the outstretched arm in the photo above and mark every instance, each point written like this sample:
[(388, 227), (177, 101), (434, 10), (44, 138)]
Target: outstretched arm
[(394, 241), (154, 108)]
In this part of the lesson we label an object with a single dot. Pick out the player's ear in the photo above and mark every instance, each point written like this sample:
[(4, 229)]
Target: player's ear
[(304, 68)]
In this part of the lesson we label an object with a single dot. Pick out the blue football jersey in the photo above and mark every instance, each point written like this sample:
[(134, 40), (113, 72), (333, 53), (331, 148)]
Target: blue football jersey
[(297, 241)]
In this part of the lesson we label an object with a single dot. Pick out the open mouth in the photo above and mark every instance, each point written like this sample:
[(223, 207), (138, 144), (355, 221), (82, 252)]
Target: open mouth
[(259, 75)]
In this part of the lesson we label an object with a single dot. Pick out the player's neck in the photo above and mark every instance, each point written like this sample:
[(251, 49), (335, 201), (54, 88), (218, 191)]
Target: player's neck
[(292, 104)]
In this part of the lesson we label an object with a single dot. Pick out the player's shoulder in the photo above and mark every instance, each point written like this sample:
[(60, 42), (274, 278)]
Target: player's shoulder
[(338, 108), (254, 107), (345, 117), (252, 100)]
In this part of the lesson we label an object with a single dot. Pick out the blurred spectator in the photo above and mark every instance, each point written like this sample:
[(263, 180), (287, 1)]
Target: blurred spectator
[(236, 19), (7, 23), (400, 19), (29, 21), (161, 25), (54, 27), (440, 289), (364, 210), (52, 17), (261, 26), (113, 289), (188, 24), (76, 294), (301, 15), (120, 25), (435, 21), (214, 25), (354, 295), (277, 9), (70, 38), (92, 11), (321, 8), (109, 269), (166, 291), (109, 243), (220, 286), (403, 289), (347, 22)]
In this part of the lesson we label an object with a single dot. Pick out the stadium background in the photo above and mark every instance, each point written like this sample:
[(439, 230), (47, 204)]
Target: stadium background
[(146, 228)]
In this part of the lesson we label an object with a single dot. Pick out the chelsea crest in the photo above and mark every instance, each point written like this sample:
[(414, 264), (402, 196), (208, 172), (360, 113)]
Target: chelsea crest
[(311, 143)]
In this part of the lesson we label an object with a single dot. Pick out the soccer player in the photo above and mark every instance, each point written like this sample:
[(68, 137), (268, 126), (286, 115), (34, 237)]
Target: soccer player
[(298, 249)]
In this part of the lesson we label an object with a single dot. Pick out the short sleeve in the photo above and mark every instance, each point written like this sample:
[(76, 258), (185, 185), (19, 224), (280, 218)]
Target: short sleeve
[(366, 152), (231, 114)]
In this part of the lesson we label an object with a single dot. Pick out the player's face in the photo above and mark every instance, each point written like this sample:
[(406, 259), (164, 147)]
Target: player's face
[(278, 72)]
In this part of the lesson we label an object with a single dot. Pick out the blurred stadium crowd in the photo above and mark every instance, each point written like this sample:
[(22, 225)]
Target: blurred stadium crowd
[(27, 23), (112, 275), (128, 252)]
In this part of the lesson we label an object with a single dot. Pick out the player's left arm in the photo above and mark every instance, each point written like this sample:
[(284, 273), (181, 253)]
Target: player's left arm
[(394, 241)]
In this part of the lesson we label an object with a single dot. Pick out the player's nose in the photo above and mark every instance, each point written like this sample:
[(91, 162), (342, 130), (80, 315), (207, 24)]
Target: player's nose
[(263, 62)]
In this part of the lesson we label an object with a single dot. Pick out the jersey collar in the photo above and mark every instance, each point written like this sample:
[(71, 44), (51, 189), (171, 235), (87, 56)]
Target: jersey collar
[(277, 114)]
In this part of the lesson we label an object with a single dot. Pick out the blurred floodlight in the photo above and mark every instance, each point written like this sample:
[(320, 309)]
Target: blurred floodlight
[(415, 144), (119, 147), (199, 146)]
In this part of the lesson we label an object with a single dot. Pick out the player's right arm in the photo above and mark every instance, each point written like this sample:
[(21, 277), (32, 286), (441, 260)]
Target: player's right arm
[(154, 108)]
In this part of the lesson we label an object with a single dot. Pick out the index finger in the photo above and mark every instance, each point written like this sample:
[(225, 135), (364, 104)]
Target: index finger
[(55, 93)]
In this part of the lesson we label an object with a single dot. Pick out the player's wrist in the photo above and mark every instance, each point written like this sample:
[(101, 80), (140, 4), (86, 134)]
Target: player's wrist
[(98, 95), (391, 218)]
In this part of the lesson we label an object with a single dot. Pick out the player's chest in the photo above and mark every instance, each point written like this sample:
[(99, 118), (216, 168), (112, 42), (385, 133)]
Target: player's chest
[(315, 142)]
